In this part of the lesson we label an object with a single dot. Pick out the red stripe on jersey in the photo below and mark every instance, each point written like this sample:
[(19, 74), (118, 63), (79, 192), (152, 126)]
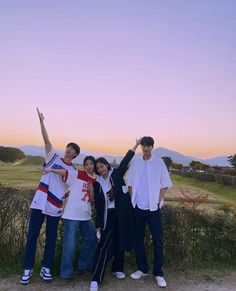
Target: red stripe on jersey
[(82, 175), (54, 202), (43, 189)]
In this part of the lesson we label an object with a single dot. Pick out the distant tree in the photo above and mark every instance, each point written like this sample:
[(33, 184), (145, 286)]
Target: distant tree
[(177, 166), (114, 162), (205, 167), (232, 160), (168, 161), (196, 165), (10, 155)]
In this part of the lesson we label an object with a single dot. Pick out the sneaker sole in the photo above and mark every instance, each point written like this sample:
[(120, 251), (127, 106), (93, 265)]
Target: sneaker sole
[(24, 282), (45, 279), (119, 278), (137, 278)]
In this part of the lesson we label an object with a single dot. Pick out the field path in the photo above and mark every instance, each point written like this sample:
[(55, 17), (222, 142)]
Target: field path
[(201, 280)]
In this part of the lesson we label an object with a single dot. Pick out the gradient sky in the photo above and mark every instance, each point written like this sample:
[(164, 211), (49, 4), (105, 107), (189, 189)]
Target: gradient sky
[(105, 72)]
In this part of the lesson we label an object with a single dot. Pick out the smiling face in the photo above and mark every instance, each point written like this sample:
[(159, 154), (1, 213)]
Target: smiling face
[(89, 167), (102, 169)]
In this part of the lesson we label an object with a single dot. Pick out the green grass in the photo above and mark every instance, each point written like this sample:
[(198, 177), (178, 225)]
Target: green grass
[(226, 193), (24, 174), (31, 160), (19, 175)]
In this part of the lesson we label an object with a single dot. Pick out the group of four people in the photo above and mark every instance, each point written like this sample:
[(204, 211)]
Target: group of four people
[(122, 210)]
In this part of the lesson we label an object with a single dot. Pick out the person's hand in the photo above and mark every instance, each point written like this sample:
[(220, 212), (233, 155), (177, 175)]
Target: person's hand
[(90, 187), (138, 140), (65, 196), (44, 170), (40, 115), (98, 231)]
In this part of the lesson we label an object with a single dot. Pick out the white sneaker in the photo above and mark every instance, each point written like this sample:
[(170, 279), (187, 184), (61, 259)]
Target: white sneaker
[(45, 274), (137, 275), (119, 275), (25, 278), (93, 286), (161, 282)]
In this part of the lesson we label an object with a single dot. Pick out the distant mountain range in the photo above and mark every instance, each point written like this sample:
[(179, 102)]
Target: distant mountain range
[(159, 152)]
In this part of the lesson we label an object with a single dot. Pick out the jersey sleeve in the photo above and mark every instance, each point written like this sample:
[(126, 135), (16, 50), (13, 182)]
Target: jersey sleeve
[(49, 156), (70, 177)]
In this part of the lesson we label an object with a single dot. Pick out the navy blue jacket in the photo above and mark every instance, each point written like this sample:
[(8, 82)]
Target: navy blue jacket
[(123, 204)]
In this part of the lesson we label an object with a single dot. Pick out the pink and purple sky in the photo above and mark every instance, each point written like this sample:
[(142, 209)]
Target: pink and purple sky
[(105, 72)]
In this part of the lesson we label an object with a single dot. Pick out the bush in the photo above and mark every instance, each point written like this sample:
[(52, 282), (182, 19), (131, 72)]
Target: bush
[(191, 237), (10, 155), (14, 210), (219, 178)]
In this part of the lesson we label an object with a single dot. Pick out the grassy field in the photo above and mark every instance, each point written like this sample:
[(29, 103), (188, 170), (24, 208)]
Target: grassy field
[(26, 174), (224, 193)]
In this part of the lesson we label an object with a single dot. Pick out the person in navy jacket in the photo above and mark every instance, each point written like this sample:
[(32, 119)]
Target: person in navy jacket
[(114, 218)]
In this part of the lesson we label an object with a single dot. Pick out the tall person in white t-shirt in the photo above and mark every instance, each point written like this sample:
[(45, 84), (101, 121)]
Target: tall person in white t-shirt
[(77, 217), (47, 205), (148, 181)]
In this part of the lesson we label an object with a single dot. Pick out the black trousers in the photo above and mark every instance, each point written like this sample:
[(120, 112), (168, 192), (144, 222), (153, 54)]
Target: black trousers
[(153, 219), (107, 248)]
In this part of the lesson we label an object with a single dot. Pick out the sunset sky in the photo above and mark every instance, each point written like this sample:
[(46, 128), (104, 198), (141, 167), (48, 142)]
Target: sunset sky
[(106, 72)]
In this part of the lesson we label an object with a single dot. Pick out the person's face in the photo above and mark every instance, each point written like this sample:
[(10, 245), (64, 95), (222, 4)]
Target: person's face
[(102, 169), (89, 167), (147, 149), (70, 153)]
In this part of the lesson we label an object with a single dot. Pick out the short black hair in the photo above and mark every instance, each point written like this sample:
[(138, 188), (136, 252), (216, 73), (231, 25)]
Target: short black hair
[(89, 158), (102, 161), (147, 141), (75, 146)]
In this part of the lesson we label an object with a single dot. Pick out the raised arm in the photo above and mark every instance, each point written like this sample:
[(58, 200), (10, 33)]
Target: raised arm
[(55, 171), (123, 167), (47, 142)]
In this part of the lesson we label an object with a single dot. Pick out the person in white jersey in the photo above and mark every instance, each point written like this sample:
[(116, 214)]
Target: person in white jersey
[(148, 181), (47, 205), (77, 217)]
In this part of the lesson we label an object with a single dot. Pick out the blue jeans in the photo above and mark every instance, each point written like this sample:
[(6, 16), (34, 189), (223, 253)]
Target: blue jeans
[(88, 249), (35, 223)]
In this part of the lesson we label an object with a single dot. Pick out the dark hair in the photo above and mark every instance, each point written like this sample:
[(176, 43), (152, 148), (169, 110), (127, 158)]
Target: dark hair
[(147, 141), (89, 158), (75, 147), (102, 161)]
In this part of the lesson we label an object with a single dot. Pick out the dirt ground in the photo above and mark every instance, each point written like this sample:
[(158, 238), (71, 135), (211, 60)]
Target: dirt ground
[(207, 280)]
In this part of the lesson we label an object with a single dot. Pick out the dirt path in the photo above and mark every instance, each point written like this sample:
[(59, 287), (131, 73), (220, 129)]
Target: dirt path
[(195, 280)]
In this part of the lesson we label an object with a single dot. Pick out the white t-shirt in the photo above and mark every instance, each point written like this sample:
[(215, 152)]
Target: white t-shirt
[(78, 204), (142, 197), (109, 194), (158, 178), (51, 189)]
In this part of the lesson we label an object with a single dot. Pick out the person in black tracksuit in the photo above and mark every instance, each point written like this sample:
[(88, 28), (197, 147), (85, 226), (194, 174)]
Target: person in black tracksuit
[(114, 218)]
